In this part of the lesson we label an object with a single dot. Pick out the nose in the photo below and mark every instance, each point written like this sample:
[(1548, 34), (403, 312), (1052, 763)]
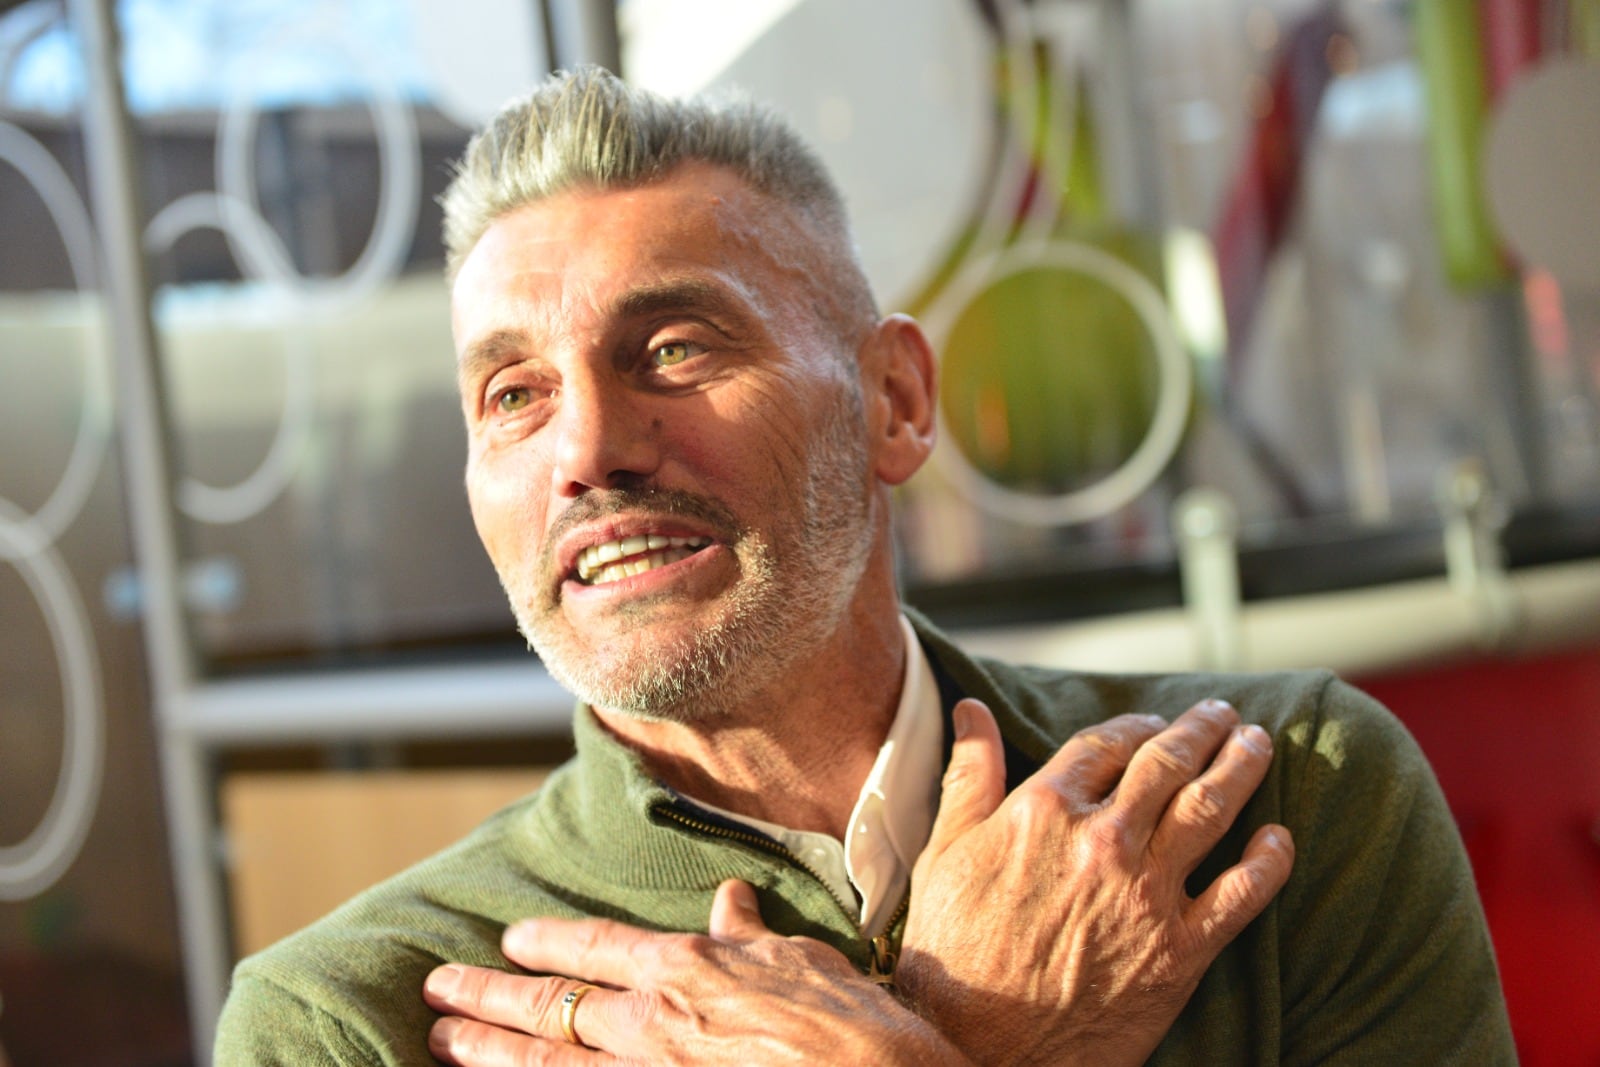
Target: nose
[(604, 437)]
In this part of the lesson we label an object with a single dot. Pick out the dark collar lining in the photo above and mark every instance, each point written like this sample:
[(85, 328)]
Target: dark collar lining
[(1019, 765)]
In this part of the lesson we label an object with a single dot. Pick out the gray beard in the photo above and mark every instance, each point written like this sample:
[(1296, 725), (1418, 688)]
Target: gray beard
[(780, 610), (722, 667)]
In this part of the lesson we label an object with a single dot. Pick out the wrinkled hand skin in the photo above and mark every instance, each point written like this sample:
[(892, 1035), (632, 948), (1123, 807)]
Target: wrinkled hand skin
[(739, 995), (1052, 926)]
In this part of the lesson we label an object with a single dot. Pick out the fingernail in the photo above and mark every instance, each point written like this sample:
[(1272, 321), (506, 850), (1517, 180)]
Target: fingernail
[(1215, 704), (443, 1031), (1254, 738), (517, 935), (1154, 720), (963, 720), (444, 980)]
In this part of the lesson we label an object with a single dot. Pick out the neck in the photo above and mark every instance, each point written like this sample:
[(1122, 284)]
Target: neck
[(798, 751)]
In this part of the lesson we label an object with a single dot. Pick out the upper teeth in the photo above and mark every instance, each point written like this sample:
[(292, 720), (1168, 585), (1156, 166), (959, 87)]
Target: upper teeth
[(601, 561)]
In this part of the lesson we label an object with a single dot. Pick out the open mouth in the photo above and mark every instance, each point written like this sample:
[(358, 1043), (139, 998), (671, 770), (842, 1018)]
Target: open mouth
[(629, 556)]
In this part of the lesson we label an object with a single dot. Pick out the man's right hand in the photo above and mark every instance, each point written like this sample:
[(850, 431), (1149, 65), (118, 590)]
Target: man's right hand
[(1052, 925)]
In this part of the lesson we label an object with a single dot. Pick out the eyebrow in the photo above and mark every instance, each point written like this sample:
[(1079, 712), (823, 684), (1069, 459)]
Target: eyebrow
[(688, 295), (484, 355)]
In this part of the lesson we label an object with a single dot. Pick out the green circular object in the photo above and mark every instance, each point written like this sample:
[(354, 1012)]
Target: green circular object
[(1050, 379)]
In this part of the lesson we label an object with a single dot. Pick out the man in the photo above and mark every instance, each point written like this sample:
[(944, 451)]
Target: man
[(801, 826)]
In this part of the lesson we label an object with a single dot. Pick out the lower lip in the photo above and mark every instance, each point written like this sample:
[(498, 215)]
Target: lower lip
[(649, 582)]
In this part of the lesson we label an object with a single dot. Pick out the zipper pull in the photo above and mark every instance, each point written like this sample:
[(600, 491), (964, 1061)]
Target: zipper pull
[(884, 958)]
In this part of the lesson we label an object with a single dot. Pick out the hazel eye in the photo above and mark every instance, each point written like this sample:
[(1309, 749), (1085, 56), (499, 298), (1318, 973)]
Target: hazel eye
[(514, 400), (670, 354)]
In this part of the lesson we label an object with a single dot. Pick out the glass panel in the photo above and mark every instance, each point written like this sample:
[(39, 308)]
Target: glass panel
[(1314, 254), (293, 152), (89, 956)]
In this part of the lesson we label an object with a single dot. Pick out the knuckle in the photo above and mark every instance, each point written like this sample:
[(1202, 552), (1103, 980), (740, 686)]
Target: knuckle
[(1115, 739), (1105, 743), (808, 952), (639, 1014), (587, 937), (475, 986), (785, 954), (1035, 806), (678, 954), (540, 999), (1240, 899), (1172, 755), (1110, 833), (1244, 894), (1146, 896), (487, 990), (698, 948), (1203, 805), (958, 773), (768, 950)]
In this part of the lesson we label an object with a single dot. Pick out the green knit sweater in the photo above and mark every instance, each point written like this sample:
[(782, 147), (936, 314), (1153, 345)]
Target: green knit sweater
[(1374, 953)]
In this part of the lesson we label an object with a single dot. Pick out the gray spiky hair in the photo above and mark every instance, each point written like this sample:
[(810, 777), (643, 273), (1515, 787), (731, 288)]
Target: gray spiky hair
[(589, 128)]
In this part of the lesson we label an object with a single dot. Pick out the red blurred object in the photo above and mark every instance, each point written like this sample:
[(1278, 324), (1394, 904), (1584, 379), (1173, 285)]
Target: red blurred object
[(1516, 746), (1511, 40), (1255, 213), (91, 1008)]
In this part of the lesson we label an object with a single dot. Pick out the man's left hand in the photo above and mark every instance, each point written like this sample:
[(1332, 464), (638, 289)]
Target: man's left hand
[(739, 995), (1062, 907)]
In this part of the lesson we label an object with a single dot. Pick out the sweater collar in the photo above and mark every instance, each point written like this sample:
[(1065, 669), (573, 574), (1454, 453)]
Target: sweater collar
[(603, 807)]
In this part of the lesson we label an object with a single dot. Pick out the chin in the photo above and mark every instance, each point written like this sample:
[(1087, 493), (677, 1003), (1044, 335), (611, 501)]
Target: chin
[(698, 677), (643, 677), (694, 685)]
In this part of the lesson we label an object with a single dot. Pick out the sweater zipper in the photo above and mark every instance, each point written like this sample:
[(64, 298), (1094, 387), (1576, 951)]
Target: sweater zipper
[(881, 950), (885, 953)]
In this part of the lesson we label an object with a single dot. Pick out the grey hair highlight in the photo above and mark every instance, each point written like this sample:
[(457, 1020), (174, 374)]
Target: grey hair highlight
[(590, 129)]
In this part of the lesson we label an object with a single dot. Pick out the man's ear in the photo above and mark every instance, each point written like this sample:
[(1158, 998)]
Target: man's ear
[(900, 382)]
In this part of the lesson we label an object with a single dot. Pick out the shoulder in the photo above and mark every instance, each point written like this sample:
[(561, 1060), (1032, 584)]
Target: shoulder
[(1337, 750), (1300, 709), (1040, 707), (354, 978)]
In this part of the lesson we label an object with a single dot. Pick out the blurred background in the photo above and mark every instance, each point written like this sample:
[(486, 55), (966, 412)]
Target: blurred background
[(1269, 333)]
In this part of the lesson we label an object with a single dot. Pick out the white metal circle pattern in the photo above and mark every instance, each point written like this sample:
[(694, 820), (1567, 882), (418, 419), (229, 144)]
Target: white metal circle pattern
[(1160, 441), (992, 259), (33, 865), (234, 211), (40, 170), (27, 541)]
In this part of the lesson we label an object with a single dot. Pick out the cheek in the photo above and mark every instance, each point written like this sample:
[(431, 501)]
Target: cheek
[(759, 435), (506, 503), (730, 447)]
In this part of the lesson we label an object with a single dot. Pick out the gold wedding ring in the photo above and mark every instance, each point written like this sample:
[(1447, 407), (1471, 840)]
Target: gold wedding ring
[(569, 1011)]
